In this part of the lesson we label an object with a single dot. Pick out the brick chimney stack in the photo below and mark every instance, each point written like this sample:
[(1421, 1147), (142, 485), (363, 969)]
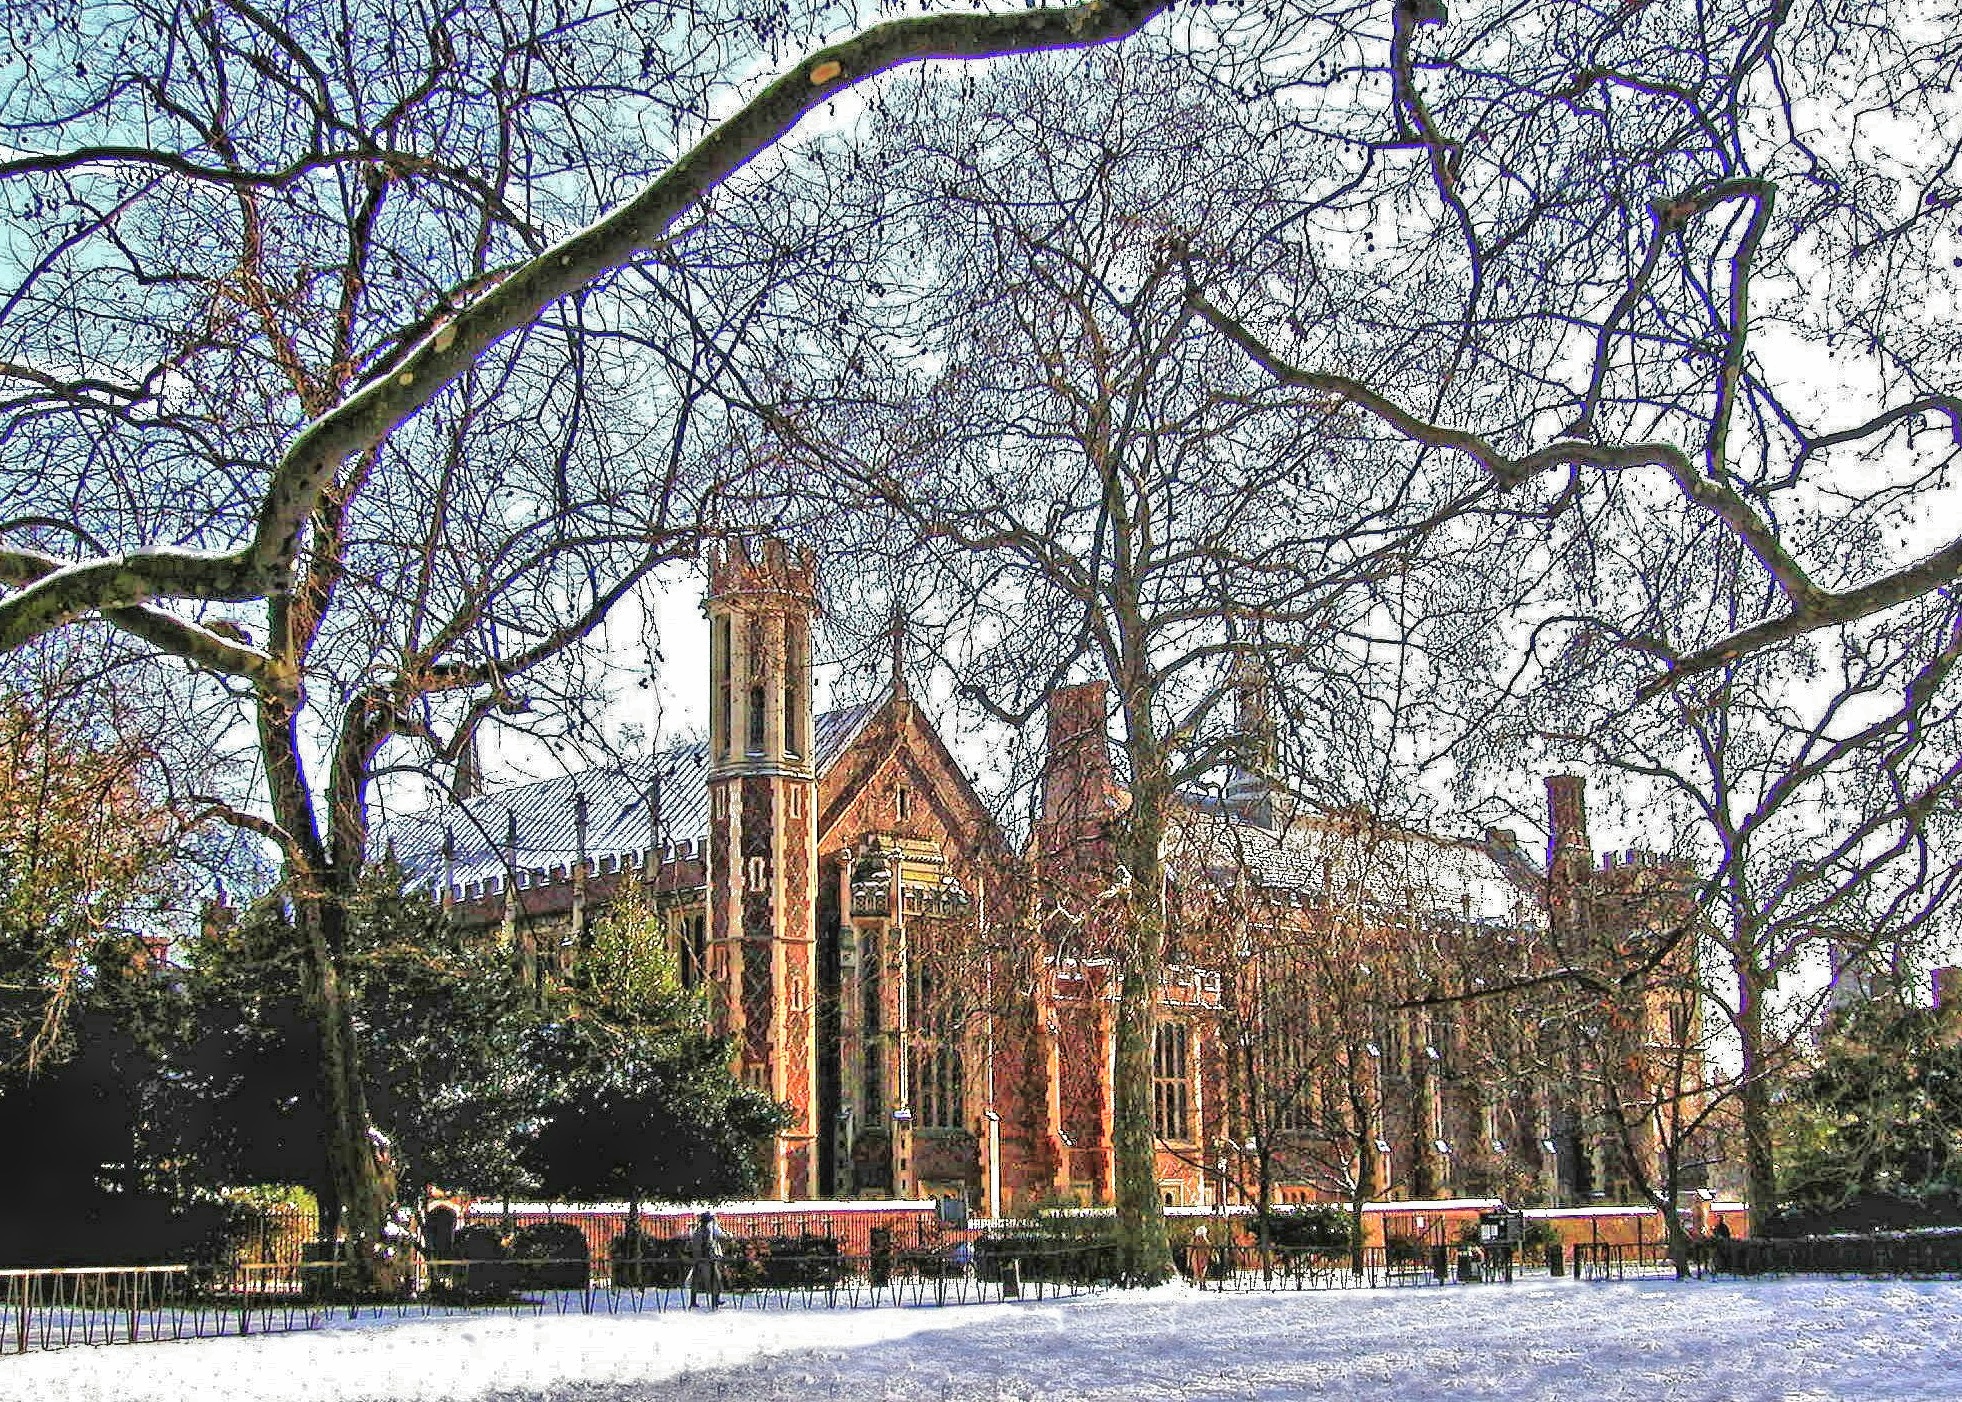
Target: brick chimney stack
[(1567, 847), (1078, 784)]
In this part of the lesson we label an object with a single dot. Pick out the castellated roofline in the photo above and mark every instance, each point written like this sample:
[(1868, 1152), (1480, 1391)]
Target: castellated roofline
[(742, 567)]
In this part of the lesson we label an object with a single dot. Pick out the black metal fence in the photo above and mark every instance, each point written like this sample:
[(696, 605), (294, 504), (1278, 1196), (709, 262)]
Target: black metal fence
[(47, 1309), (1601, 1260), (1244, 1267), (1929, 1255), (56, 1308), (62, 1307), (276, 1234)]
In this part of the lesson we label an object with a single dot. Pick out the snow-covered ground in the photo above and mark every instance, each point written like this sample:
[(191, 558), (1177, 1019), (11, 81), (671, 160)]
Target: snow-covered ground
[(1653, 1339)]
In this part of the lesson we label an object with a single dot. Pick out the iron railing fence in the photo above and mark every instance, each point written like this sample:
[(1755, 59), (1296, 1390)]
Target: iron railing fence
[(608, 1230), (1930, 1256), (60, 1307), (67, 1307), (1601, 1260), (278, 1235), (1245, 1267)]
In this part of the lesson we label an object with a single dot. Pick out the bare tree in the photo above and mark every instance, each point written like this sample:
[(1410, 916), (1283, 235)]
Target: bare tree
[(1395, 1007), (1586, 244), (392, 323), (1080, 482), (440, 162), (1803, 793), (1660, 1081), (1648, 272), (1301, 1018)]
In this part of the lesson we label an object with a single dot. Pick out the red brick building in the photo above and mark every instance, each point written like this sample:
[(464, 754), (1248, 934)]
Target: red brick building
[(890, 967)]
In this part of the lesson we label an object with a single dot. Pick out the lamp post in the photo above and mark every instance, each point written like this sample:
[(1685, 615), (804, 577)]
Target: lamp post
[(994, 1163), (902, 1115)]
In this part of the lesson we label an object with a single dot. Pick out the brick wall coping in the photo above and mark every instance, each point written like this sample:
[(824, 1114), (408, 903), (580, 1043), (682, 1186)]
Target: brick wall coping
[(484, 1207)]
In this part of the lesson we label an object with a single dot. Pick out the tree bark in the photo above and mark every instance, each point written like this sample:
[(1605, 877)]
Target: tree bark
[(1365, 1176), (316, 887), (362, 1181), (1265, 1158), (1146, 1251), (1142, 1238), (1754, 1097)]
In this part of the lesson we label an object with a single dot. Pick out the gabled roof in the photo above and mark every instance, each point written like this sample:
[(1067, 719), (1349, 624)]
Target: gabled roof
[(532, 827)]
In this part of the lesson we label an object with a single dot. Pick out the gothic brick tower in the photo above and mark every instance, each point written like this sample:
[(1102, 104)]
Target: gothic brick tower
[(762, 848)]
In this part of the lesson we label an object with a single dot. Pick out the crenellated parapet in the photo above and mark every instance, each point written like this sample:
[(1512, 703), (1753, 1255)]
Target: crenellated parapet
[(680, 866), (768, 570)]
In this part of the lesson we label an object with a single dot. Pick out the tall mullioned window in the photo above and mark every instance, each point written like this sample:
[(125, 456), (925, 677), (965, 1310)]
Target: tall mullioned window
[(938, 1077), (722, 661), (1171, 1081), (872, 1020), (939, 1083), (1290, 1076), (793, 710)]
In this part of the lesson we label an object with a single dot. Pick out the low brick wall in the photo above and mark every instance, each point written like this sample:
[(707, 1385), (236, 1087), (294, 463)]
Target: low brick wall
[(849, 1224)]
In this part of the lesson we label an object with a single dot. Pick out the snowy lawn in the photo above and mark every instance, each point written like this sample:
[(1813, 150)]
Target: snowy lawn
[(1653, 1340)]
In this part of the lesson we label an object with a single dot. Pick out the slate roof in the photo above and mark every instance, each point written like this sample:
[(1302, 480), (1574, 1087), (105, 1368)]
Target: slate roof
[(1322, 858), (533, 827), (835, 730)]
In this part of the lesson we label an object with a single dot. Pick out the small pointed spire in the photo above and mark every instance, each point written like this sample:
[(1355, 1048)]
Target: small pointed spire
[(468, 781), (899, 690)]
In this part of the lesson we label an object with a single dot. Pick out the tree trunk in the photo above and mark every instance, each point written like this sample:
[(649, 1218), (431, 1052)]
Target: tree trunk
[(363, 1191), (1266, 1207), (1364, 1123), (1142, 1242), (1754, 1098), (1667, 1198), (362, 1183), (1357, 1201)]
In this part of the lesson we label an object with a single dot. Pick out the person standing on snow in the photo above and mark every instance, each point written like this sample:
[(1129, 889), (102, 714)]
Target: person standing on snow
[(1200, 1254), (705, 1251)]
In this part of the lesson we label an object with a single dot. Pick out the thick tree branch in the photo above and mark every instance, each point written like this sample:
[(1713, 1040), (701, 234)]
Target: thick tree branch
[(1824, 610), (1812, 607), (369, 415), (195, 642), (66, 162)]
